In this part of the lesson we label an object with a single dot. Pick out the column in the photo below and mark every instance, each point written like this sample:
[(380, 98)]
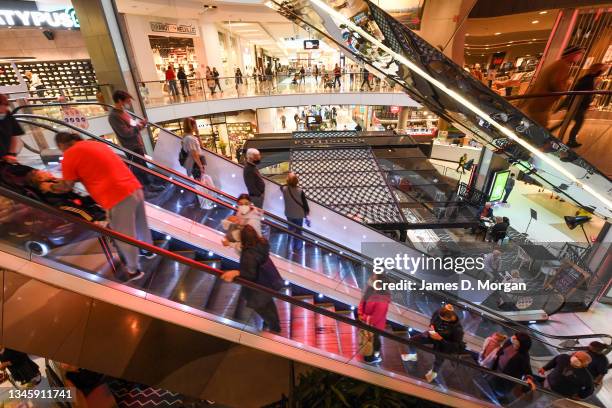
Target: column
[(102, 36), (266, 120), (212, 50), (402, 122), (440, 20)]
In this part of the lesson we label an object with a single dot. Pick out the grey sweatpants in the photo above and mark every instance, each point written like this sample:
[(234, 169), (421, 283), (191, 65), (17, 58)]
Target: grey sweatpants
[(128, 217)]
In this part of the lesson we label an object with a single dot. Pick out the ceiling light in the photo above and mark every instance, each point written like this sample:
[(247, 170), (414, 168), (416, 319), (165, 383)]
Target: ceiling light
[(543, 12), (535, 21), (467, 34), (497, 33)]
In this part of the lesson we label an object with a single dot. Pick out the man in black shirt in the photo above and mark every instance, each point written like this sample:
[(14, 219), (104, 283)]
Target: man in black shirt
[(252, 179), (128, 134), (599, 362), (9, 131), (22, 368), (569, 375)]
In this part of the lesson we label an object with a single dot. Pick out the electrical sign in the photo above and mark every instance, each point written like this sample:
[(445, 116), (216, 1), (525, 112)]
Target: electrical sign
[(49, 19)]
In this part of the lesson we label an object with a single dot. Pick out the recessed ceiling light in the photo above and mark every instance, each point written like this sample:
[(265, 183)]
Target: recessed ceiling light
[(467, 34), (543, 12), (533, 39), (535, 21), (497, 33)]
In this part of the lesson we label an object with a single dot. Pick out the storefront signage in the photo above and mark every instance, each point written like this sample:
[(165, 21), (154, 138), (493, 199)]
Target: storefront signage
[(173, 28), (28, 18)]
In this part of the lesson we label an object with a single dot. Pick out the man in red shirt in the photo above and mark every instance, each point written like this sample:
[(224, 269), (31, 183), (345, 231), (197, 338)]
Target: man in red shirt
[(112, 185)]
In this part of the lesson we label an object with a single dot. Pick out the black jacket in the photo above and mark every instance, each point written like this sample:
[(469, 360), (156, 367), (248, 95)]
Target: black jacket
[(567, 380), (498, 231), (250, 261), (181, 75), (586, 83), (517, 366), (451, 332), (252, 179)]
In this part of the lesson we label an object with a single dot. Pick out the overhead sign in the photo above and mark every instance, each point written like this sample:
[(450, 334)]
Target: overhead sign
[(311, 44), (173, 28), (28, 18)]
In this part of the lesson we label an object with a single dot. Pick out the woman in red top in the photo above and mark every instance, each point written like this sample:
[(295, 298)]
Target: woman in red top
[(373, 311), (171, 78)]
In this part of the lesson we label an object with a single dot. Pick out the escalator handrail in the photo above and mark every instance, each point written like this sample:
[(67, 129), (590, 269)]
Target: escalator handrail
[(166, 254), (463, 303), (564, 93)]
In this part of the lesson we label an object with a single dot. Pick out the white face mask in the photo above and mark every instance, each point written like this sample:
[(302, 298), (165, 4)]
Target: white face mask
[(244, 209), (515, 343), (575, 362)]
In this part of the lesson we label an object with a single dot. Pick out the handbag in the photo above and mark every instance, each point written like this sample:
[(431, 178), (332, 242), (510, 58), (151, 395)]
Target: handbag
[(366, 342)]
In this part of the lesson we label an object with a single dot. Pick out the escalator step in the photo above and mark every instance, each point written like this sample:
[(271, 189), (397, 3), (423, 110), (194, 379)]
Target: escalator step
[(303, 323), (348, 336), (284, 314), (327, 331), (194, 288), (224, 298), (167, 276)]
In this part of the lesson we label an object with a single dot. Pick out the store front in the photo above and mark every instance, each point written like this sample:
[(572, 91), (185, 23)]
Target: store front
[(159, 42), (43, 53), (223, 133)]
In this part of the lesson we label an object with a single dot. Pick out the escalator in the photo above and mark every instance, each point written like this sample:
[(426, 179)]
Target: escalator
[(182, 290), (370, 35), (324, 266)]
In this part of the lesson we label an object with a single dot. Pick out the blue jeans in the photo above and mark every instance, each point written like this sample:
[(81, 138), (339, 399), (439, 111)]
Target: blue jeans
[(296, 243)]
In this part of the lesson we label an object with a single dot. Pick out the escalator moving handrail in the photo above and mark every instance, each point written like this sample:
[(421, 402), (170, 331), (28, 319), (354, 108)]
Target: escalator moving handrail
[(109, 233), (463, 303), (565, 93)]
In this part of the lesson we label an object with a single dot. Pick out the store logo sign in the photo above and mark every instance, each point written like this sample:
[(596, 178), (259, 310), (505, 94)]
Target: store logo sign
[(173, 28), (26, 18)]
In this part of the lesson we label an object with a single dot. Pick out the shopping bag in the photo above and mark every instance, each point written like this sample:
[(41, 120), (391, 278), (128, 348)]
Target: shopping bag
[(205, 203), (366, 342)]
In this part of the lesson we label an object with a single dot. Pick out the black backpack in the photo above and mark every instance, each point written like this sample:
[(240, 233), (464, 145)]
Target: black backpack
[(182, 157)]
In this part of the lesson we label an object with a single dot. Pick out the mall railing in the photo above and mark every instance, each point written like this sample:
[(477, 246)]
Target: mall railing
[(158, 93), (481, 382), (347, 267), (75, 93)]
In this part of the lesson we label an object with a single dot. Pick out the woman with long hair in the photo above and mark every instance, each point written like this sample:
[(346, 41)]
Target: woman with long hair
[(195, 163), (372, 310), (256, 266)]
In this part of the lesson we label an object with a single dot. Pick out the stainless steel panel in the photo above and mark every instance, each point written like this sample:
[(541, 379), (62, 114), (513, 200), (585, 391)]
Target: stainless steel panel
[(42, 319)]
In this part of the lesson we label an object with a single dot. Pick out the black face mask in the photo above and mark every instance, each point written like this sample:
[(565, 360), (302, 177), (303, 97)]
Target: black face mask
[(257, 161)]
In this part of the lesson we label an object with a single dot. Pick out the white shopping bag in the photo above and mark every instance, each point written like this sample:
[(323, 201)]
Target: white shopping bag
[(207, 181)]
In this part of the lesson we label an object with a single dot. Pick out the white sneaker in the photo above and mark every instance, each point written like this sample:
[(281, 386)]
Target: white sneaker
[(431, 375), (134, 276), (409, 357)]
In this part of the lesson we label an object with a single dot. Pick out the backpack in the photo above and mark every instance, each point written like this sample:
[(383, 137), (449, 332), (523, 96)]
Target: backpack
[(268, 276), (182, 157)]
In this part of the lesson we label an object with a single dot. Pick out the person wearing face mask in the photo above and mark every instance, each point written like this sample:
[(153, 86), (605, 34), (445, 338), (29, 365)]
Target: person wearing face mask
[(128, 134), (10, 130), (246, 214), (252, 178), (513, 359), (569, 375)]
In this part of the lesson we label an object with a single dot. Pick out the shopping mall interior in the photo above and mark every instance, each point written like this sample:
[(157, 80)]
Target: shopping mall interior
[(305, 203)]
